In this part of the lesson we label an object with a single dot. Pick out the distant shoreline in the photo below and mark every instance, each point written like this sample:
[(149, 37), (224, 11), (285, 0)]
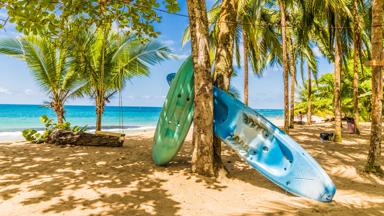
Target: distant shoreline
[(116, 106)]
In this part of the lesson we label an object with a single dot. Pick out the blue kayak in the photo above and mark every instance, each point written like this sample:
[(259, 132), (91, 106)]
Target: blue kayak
[(268, 149)]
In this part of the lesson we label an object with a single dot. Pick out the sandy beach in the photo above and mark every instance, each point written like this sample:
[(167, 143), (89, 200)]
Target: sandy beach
[(53, 180)]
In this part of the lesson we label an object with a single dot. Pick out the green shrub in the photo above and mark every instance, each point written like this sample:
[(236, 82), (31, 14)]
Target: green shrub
[(33, 136)]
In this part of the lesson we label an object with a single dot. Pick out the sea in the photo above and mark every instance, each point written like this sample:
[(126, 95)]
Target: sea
[(127, 119)]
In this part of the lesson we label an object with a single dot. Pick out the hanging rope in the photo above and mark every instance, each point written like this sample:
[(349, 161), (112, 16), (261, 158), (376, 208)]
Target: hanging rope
[(121, 108), (121, 118)]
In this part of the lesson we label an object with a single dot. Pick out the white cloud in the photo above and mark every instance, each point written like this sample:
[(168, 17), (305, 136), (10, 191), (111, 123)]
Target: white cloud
[(28, 92), (5, 91)]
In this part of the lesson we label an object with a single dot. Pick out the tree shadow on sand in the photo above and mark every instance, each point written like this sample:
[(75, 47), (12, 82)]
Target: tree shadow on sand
[(124, 181), (115, 180)]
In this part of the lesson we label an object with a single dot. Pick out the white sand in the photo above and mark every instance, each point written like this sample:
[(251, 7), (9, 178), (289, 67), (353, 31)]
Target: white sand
[(52, 180)]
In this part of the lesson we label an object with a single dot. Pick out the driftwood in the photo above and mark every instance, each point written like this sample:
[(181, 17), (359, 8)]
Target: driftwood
[(63, 137)]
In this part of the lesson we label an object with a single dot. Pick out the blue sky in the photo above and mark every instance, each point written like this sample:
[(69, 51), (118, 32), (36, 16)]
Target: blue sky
[(18, 87)]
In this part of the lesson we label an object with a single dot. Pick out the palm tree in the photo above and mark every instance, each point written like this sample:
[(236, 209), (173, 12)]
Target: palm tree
[(225, 33), (322, 93), (50, 68), (355, 65), (309, 101), (334, 42), (292, 63), (203, 159), (108, 60), (245, 50), (373, 161), (282, 9), (256, 23)]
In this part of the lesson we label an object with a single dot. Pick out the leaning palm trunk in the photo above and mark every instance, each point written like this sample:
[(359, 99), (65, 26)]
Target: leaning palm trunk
[(285, 65), (337, 80), (356, 46), (245, 49), (293, 81), (373, 162), (309, 102), (203, 160), (223, 68)]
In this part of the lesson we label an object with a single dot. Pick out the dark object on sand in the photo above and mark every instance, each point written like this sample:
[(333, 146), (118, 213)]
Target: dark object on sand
[(64, 137), (324, 136), (351, 125)]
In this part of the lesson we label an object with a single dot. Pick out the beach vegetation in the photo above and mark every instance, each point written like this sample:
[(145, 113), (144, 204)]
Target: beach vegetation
[(37, 137), (322, 94), (50, 66), (107, 60), (62, 19)]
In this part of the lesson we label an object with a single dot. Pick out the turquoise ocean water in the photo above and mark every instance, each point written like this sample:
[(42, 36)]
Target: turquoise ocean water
[(15, 118)]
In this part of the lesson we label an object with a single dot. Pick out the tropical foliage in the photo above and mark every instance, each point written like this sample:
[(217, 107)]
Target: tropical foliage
[(322, 94), (107, 61), (50, 67), (34, 136), (62, 19), (282, 32)]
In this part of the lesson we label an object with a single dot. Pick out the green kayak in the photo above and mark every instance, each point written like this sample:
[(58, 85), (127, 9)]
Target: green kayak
[(176, 117)]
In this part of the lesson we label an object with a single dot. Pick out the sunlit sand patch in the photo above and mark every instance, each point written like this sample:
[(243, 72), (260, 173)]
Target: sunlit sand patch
[(101, 163), (351, 173), (30, 166), (68, 170), (344, 156), (9, 176), (78, 154), (357, 200), (41, 159)]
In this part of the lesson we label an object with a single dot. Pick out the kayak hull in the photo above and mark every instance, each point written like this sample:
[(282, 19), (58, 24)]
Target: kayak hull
[(269, 150), (176, 116)]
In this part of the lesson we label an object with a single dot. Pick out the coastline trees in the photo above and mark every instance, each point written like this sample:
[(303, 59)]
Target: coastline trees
[(322, 94), (107, 60), (62, 20), (50, 68), (374, 154)]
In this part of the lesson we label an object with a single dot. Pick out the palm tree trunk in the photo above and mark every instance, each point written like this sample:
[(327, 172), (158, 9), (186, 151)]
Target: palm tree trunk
[(245, 49), (337, 80), (373, 162), (285, 65), (58, 107), (99, 110), (203, 159), (223, 67), (356, 46), (293, 81), (100, 89), (309, 102)]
